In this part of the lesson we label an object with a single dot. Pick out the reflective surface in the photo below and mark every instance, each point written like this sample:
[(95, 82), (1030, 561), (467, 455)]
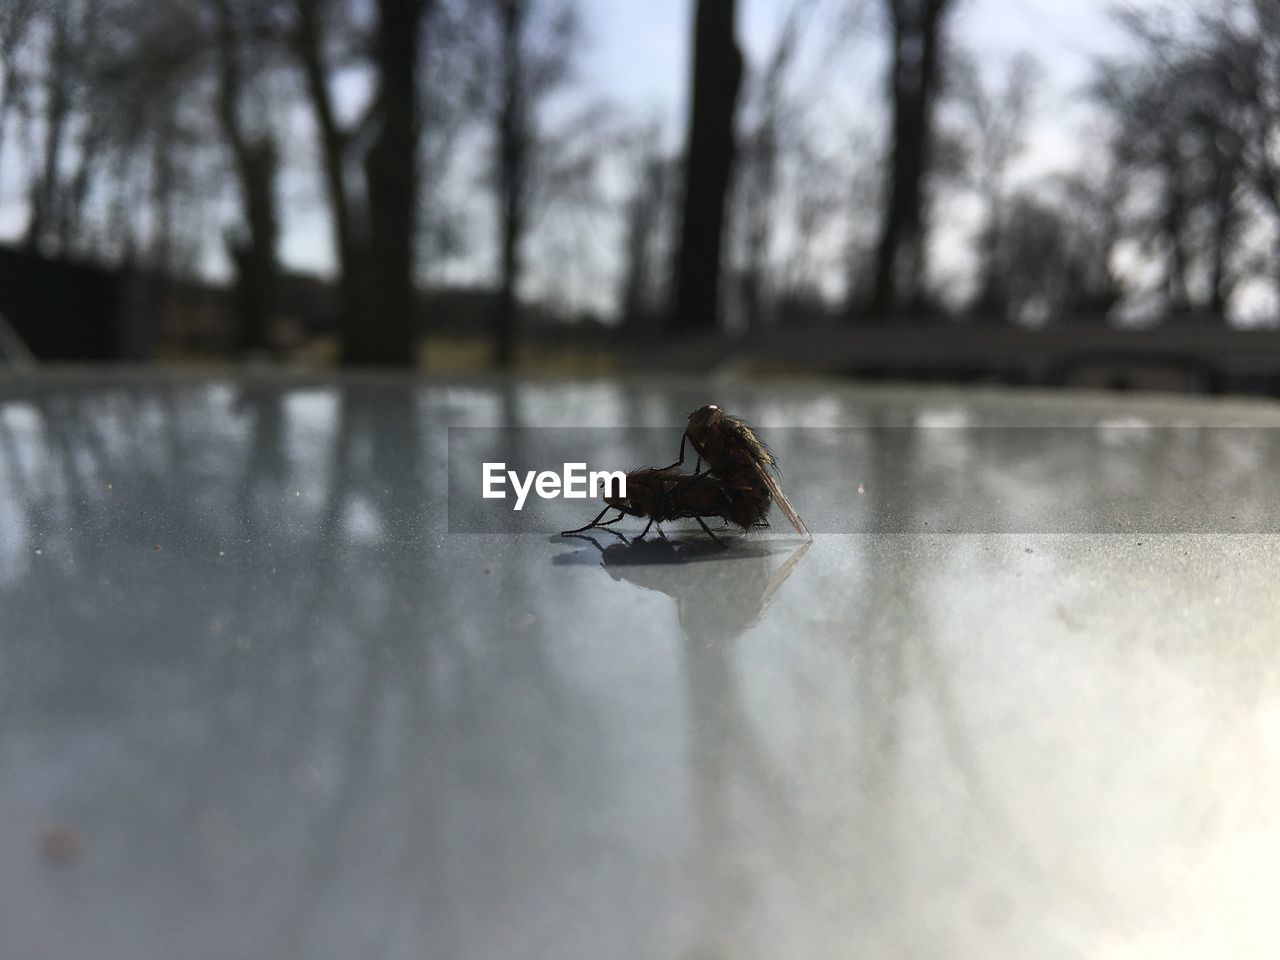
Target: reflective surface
[(285, 713)]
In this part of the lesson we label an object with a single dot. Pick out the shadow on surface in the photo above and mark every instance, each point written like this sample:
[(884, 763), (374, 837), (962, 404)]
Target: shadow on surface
[(714, 600)]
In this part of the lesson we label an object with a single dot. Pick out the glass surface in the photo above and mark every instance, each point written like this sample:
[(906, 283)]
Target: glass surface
[(274, 708)]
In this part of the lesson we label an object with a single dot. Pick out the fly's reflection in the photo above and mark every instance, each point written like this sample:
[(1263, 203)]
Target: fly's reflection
[(719, 594)]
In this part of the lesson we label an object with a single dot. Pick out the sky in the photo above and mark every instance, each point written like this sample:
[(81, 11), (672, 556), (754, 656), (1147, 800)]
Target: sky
[(639, 48), (636, 55)]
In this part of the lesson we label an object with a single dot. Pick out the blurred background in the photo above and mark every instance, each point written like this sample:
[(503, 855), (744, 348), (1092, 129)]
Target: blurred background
[(1015, 191)]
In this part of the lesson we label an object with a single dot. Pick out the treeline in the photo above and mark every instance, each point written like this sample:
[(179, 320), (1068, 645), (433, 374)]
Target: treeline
[(438, 139)]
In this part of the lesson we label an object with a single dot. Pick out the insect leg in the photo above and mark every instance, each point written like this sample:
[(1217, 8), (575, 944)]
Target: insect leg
[(710, 534), (645, 530), (697, 467), (593, 523), (683, 437)]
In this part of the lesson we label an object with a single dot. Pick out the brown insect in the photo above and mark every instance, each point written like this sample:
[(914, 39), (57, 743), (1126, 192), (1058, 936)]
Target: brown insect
[(662, 494), (738, 458)]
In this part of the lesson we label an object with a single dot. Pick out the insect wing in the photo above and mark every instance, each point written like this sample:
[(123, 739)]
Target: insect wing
[(756, 456), (756, 448), (770, 480)]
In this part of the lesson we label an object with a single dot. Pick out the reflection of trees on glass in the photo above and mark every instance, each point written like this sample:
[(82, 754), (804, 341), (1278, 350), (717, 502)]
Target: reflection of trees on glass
[(734, 785), (238, 609), (239, 584)]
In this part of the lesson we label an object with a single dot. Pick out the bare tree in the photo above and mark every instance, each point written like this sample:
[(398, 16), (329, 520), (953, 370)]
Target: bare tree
[(1179, 110), (709, 160), (392, 170), (646, 218), (1219, 173), (310, 39), (1052, 260), (862, 191), (451, 96), (16, 20), (374, 228), (110, 83), (70, 27), (511, 173), (917, 29), (818, 185), (530, 57), (1239, 92), (256, 160), (1089, 203), (994, 120), (1148, 144), (772, 122), (169, 134)]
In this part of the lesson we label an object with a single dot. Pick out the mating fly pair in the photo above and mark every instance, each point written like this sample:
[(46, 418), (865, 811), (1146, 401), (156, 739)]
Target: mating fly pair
[(737, 486)]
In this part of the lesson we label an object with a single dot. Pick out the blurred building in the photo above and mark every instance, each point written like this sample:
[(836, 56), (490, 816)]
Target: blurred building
[(62, 310)]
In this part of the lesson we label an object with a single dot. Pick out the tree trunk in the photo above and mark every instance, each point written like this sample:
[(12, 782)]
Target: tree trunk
[(759, 214), (17, 18), (717, 78), (507, 306), (307, 45), (513, 147), (256, 266), (992, 302), (900, 256), (389, 337), (1175, 216), (1223, 223), (1218, 269), (72, 212), (256, 164), (643, 215), (46, 192)]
